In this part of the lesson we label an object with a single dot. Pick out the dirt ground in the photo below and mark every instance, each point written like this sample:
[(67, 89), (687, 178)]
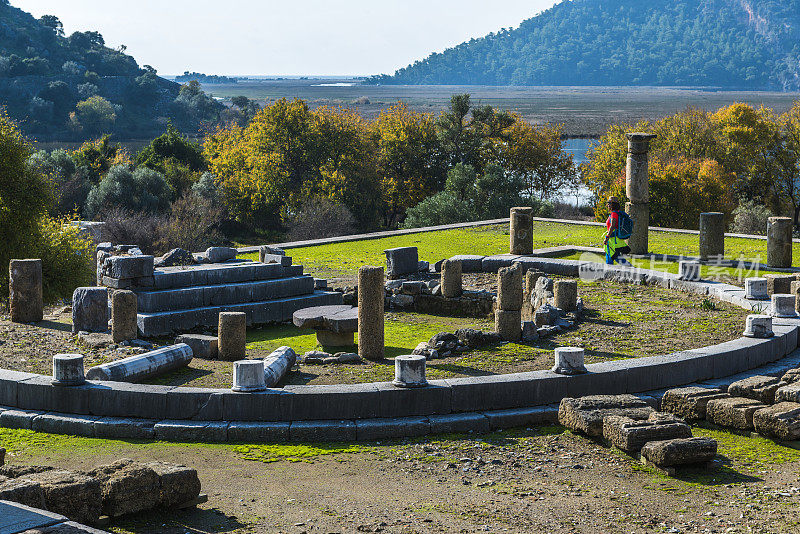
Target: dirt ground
[(620, 321), (540, 479)]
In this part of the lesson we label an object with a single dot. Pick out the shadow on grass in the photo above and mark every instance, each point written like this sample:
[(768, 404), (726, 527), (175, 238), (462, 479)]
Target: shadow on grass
[(193, 520), (180, 376), (721, 473)]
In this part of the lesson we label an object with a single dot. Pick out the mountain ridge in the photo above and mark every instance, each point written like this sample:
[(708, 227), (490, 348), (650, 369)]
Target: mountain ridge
[(735, 44)]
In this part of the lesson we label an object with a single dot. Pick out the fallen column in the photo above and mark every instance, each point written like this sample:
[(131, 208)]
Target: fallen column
[(277, 364), (143, 366)]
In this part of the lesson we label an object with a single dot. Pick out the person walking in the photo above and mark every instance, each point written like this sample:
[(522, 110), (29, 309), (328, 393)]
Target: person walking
[(616, 232)]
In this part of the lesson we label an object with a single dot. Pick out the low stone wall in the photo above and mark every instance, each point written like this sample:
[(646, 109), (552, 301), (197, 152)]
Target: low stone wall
[(337, 411)]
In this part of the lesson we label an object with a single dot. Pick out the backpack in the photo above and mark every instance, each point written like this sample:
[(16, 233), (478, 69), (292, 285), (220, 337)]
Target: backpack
[(625, 229)]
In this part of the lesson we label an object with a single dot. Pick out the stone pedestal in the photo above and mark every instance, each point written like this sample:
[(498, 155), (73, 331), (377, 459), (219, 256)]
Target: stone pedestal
[(409, 371), (508, 324), (758, 326), (712, 235), (327, 338), (401, 261), (451, 279), (509, 288), (68, 370), (25, 291), (755, 289), (232, 336), (779, 283), (566, 294), (795, 290), (637, 189), (783, 306), (248, 375), (569, 361), (90, 309), (639, 240), (521, 231), (689, 270), (779, 242), (370, 313), (123, 316)]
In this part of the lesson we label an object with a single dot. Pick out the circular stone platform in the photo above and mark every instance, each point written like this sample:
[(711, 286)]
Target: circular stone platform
[(335, 325)]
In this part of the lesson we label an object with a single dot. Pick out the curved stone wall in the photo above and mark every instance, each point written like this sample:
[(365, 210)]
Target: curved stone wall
[(375, 410)]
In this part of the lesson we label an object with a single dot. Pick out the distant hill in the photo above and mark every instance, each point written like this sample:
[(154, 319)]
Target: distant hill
[(737, 44), (75, 87)]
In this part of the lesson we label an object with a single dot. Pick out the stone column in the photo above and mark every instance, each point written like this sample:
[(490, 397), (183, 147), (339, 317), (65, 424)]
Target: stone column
[(232, 336), (508, 315), (637, 189), (68, 370), (565, 294), (25, 291), (451, 279), (712, 235), (248, 376), (569, 361), (409, 371), (779, 242), (371, 295), (124, 306), (521, 231)]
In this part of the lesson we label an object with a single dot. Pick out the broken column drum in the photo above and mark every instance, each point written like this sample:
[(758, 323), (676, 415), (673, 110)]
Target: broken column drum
[(758, 326), (637, 189), (783, 305), (25, 290), (409, 371), (779, 242), (232, 336), (248, 376), (569, 361), (566, 294), (712, 235), (143, 366), (521, 231), (123, 316), (68, 370), (756, 289), (451, 279), (277, 364), (370, 313)]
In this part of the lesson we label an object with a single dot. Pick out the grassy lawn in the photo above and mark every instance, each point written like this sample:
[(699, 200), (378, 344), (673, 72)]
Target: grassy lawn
[(344, 259)]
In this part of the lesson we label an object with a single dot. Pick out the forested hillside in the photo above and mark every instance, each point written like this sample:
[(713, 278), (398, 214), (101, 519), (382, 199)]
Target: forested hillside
[(76, 87), (743, 44)]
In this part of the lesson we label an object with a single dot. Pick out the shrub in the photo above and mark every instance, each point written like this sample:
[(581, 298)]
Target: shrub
[(142, 189), (206, 187), (67, 257), (129, 228), (750, 218), (193, 224), (319, 218)]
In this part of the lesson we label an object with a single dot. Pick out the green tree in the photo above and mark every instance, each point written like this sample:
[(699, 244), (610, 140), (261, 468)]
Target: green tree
[(136, 190), (94, 115)]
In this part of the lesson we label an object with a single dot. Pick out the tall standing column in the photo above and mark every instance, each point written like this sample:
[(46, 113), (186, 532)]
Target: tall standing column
[(371, 293), (521, 231), (25, 290), (712, 235), (637, 189), (779, 242)]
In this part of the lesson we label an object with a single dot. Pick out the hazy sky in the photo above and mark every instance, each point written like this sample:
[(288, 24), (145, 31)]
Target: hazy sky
[(285, 37)]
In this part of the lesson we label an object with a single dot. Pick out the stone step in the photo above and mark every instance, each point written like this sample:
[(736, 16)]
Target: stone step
[(221, 273), (158, 324), (223, 294)]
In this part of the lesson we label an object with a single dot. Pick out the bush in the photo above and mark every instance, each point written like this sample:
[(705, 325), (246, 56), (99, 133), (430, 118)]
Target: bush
[(137, 190), (67, 257), (193, 224), (319, 218), (750, 218), (129, 228)]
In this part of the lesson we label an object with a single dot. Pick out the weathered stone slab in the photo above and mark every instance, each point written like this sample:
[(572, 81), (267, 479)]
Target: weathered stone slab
[(257, 432), (127, 487), (689, 402), (630, 436), (788, 392), (74, 495), (375, 429), (734, 412), (586, 414), (127, 267), (124, 428), (760, 388), (178, 484), (781, 421), (25, 493), (90, 309), (401, 261), (203, 347), (676, 452)]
